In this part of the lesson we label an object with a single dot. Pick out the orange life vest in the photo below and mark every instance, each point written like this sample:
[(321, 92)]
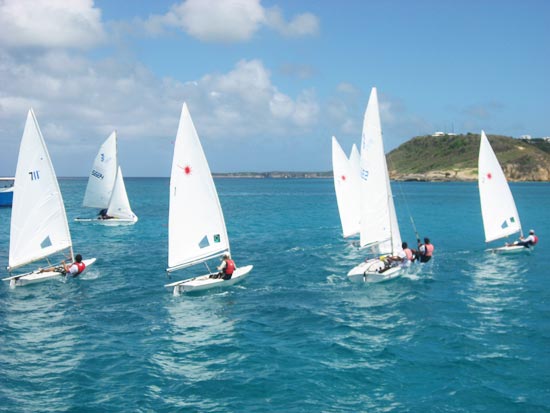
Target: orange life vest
[(429, 249), (229, 267), (535, 239), (408, 253)]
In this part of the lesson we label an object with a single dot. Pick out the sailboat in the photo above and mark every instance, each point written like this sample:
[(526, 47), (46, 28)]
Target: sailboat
[(196, 226), (498, 209), (39, 227), (379, 230), (346, 186), (106, 190)]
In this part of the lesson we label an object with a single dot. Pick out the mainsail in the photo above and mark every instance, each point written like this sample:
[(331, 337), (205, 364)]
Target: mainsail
[(103, 175), (498, 209), (196, 227), (39, 225), (346, 188), (379, 226)]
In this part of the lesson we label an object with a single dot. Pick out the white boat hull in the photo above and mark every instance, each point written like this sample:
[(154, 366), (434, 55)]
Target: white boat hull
[(37, 276), (511, 249), (204, 282), (112, 222), (369, 272)]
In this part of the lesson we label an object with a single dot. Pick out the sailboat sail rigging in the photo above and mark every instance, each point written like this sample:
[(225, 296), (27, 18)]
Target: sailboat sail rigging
[(106, 189), (379, 229), (346, 188), (196, 225), (39, 227), (498, 208)]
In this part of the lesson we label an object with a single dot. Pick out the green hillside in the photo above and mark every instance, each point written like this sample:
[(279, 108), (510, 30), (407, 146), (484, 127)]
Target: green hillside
[(455, 157)]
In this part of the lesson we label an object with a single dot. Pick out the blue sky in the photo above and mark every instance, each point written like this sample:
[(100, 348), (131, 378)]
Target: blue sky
[(267, 82)]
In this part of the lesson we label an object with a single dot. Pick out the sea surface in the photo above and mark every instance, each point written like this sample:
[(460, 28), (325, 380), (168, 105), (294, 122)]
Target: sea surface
[(468, 332)]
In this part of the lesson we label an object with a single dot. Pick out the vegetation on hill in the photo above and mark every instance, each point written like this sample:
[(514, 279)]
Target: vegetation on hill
[(452, 157)]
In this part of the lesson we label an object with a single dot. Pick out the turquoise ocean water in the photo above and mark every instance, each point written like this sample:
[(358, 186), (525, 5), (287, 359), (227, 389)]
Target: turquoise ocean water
[(469, 333)]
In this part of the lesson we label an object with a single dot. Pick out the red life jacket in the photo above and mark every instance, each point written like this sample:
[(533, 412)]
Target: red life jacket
[(535, 239), (229, 267), (408, 253), (81, 266), (429, 249)]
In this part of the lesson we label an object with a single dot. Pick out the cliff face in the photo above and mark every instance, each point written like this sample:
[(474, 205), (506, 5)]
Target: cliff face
[(451, 158)]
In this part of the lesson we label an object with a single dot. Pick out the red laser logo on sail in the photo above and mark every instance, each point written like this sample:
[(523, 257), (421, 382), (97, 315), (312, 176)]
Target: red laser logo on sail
[(186, 169), (489, 176), (343, 177)]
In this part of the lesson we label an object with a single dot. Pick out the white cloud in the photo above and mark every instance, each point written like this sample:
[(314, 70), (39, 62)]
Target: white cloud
[(228, 21), (212, 20), (305, 24), (78, 108), (50, 23)]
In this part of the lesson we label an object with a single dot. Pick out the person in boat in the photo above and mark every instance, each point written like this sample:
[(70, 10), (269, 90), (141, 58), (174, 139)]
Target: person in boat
[(103, 214), (403, 257), (425, 251), (409, 253), (226, 268), (74, 269), (528, 242)]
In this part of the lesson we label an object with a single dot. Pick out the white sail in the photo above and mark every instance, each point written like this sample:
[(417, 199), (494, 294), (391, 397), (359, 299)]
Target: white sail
[(498, 209), (196, 224), (39, 225), (355, 162), (378, 222), (119, 205), (103, 175), (345, 187)]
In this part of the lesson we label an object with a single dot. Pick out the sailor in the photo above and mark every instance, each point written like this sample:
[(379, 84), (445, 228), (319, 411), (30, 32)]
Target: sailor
[(103, 214), (425, 251), (530, 241), (76, 268), (409, 255), (73, 269), (226, 268)]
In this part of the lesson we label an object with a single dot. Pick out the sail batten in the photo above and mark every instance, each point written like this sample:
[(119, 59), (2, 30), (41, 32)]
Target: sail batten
[(498, 209)]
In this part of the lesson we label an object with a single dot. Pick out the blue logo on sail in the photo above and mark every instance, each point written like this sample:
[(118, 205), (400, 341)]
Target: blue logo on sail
[(505, 223), (47, 242), (364, 174), (204, 242)]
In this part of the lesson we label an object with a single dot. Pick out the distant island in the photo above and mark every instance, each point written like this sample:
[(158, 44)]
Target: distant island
[(451, 157), (446, 157), (274, 175)]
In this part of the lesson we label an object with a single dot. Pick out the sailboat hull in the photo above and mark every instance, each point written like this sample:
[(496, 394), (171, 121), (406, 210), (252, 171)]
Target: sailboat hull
[(37, 276), (112, 222), (511, 249), (204, 282), (369, 272)]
